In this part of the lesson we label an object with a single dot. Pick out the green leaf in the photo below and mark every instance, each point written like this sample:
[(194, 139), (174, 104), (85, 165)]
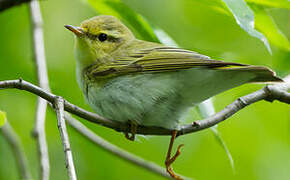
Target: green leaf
[(271, 3), (263, 21), (244, 17), (2, 118), (265, 24), (135, 21)]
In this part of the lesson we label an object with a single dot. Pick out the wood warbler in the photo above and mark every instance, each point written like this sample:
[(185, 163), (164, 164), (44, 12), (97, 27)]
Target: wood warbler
[(144, 83)]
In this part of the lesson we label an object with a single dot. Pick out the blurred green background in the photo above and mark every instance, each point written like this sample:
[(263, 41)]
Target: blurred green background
[(258, 136)]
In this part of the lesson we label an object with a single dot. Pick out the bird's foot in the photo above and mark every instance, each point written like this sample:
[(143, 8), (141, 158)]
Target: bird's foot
[(133, 128), (170, 161)]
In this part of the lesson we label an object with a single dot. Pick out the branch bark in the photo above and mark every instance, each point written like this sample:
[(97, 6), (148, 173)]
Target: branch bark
[(40, 64), (17, 149), (59, 109), (263, 94)]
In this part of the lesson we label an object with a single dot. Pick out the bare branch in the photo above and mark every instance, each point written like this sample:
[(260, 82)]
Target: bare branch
[(102, 143), (16, 147), (59, 109), (40, 62), (150, 130)]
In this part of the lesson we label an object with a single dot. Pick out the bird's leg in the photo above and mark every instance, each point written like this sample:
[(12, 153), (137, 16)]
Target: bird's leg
[(133, 129), (169, 160)]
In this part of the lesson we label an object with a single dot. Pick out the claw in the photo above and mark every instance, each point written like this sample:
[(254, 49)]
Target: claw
[(133, 129), (130, 137), (172, 173)]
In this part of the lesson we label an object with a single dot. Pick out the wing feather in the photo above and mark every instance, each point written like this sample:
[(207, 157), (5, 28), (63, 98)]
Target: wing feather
[(158, 59)]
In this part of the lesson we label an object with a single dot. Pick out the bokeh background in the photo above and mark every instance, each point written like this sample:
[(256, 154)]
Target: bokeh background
[(258, 136)]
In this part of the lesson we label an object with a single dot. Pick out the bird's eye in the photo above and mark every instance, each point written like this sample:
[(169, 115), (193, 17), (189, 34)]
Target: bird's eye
[(102, 37)]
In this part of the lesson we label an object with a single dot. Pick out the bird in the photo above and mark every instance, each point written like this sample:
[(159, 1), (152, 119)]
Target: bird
[(147, 83)]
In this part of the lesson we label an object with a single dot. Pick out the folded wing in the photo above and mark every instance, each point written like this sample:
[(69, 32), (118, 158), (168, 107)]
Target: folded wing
[(166, 59)]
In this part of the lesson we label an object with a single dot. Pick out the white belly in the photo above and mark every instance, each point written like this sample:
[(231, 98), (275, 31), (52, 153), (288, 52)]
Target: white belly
[(159, 99)]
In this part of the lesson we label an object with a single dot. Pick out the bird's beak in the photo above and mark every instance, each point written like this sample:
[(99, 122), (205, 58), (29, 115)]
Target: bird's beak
[(76, 30)]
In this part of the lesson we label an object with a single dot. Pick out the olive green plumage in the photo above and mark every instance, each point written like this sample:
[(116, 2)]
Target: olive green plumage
[(151, 84)]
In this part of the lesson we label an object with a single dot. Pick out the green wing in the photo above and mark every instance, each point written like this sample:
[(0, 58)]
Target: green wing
[(156, 60)]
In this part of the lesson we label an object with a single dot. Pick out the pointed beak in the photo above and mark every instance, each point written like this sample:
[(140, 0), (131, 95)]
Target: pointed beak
[(76, 30)]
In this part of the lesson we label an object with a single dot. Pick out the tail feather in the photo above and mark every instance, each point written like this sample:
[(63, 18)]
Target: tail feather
[(262, 73)]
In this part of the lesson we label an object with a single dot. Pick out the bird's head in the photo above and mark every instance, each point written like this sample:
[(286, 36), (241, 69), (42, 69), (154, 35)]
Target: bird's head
[(100, 36)]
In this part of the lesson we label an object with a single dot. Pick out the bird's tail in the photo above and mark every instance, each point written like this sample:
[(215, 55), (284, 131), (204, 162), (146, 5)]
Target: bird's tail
[(262, 74)]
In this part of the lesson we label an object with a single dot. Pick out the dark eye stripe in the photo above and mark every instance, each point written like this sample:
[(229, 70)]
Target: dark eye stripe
[(109, 38)]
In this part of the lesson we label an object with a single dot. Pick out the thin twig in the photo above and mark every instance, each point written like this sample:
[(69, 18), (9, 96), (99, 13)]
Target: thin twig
[(40, 62), (102, 143), (59, 109), (231, 109), (17, 149)]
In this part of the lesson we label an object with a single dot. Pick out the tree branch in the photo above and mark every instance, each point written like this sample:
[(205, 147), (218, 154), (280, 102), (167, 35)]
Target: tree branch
[(40, 63), (264, 93), (16, 147), (59, 109), (231, 109)]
